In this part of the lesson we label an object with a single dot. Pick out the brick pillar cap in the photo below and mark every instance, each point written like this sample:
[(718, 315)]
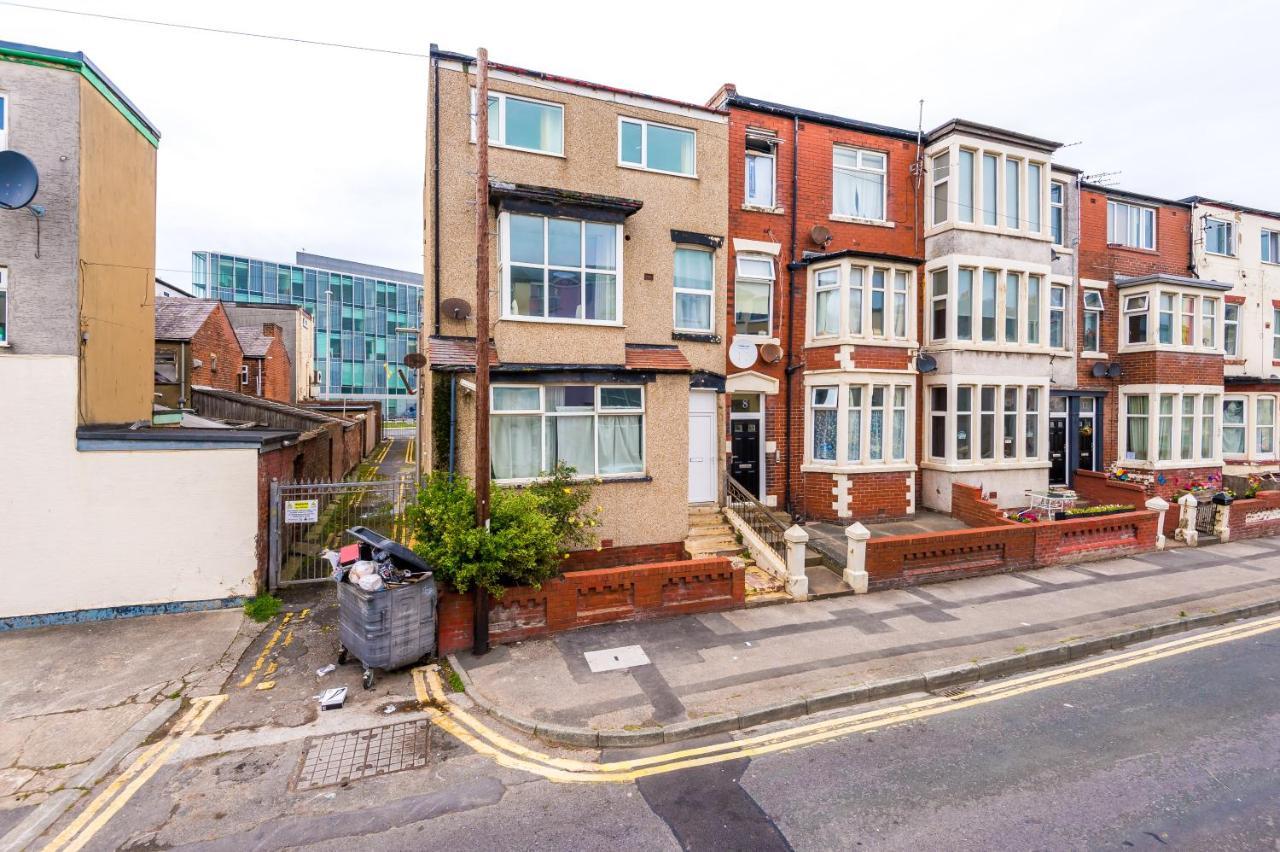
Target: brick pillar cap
[(857, 532), (795, 534)]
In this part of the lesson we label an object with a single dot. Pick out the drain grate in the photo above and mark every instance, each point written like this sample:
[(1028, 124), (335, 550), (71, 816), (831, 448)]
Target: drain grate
[(363, 754), (953, 692)]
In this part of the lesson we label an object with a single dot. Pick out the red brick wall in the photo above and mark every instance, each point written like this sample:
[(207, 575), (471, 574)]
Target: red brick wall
[(278, 369), (1170, 368), (872, 496), (1093, 538), (1238, 522), (611, 557), (582, 598), (216, 342), (968, 505), (1100, 488), (813, 207)]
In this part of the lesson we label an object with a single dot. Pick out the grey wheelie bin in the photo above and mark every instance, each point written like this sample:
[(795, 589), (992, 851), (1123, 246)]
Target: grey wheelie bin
[(395, 626)]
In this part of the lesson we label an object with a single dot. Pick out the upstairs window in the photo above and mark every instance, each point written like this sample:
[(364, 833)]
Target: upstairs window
[(4, 123), (656, 147), (1057, 211), (1219, 237), (1231, 330), (759, 173), (1270, 245), (753, 295), (1092, 321), (1057, 316), (1131, 225), (565, 270), (859, 183), (876, 300), (941, 171), (694, 290), (1233, 426), (524, 124), (1135, 318), (4, 305)]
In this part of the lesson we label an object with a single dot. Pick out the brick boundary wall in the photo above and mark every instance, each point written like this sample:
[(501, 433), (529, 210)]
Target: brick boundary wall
[(1265, 520), (583, 598), (968, 505), (614, 557)]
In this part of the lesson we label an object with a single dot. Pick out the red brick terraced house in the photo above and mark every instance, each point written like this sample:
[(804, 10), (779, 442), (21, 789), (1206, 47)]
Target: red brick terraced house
[(824, 258)]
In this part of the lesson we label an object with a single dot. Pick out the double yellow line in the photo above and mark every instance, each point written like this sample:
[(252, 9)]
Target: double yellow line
[(283, 630), (509, 753), (122, 789)]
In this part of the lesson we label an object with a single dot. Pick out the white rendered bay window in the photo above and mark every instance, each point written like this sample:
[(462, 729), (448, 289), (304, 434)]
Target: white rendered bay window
[(1172, 426), (596, 429), (562, 270), (985, 425)]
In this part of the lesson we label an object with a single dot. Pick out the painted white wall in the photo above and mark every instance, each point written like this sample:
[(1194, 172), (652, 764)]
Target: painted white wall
[(102, 529), (1009, 485)]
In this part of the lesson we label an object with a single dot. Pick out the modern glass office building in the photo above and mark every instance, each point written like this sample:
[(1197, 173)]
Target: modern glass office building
[(366, 316)]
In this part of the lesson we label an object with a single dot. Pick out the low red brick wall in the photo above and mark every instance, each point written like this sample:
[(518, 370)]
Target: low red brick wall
[(613, 557), (1100, 488), (583, 598), (1086, 538), (1255, 517), (968, 505)]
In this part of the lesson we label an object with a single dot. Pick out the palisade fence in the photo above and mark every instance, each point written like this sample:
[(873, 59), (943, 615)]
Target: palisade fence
[(308, 518), (763, 521)]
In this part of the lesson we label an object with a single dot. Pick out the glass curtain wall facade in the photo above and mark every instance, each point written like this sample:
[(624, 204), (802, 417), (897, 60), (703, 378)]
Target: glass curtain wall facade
[(358, 349)]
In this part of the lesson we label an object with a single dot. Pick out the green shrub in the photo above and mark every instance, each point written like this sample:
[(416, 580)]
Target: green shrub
[(529, 530), (262, 608), (1083, 511)]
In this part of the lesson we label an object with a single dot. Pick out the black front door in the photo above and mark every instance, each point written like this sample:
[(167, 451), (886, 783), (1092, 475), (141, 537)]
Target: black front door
[(1057, 451), (745, 467), (1085, 437)]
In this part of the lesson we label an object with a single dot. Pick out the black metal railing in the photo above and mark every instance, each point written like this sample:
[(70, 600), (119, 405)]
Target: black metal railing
[(763, 521)]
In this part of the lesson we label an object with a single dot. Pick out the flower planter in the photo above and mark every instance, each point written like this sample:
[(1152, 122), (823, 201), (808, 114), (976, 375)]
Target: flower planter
[(1064, 516)]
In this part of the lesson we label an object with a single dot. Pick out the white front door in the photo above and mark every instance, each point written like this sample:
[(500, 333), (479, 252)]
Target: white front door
[(702, 446)]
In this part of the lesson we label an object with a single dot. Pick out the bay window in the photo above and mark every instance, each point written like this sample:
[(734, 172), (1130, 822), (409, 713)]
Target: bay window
[(991, 425), (964, 423), (1033, 309), (1033, 197), (1165, 324), (988, 183), (1131, 225), (964, 304), (1208, 322), (938, 421), (941, 171), (523, 123), (1231, 330), (1012, 193), (965, 193), (656, 147), (989, 280), (863, 301), (859, 182), (566, 270), (1009, 435), (1033, 422), (1012, 285), (859, 423), (1092, 321), (939, 312), (694, 286), (1184, 421), (1135, 317), (1219, 236), (1233, 426), (987, 422), (1188, 328), (1183, 320), (753, 295), (597, 429), (990, 189)]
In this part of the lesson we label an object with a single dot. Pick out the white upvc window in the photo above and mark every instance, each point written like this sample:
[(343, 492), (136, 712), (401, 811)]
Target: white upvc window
[(1270, 246), (753, 295), (938, 298), (990, 189), (1235, 419), (1057, 316), (1231, 329), (1275, 334), (1131, 225), (1183, 320), (657, 147), (4, 305), (560, 270), (4, 124), (966, 188), (694, 286), (1264, 426), (861, 422), (859, 185), (596, 429), (876, 305), (1208, 322), (940, 170), (1219, 236), (1135, 318), (523, 124), (760, 173), (1169, 426), (995, 305), (987, 425), (1034, 189), (1092, 330), (1012, 193), (1057, 212)]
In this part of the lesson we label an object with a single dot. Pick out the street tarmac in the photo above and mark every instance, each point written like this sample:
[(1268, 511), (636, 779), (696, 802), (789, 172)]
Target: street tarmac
[(1175, 744)]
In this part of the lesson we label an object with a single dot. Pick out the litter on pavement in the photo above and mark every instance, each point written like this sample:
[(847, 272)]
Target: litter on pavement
[(321, 672), (628, 656), (333, 699)]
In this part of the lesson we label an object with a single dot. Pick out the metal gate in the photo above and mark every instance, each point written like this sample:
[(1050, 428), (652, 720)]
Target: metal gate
[(308, 518)]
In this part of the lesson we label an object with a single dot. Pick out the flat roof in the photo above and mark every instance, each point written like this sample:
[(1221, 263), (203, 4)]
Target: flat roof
[(1123, 281), (325, 263), (733, 98), (17, 52), (1230, 205), (999, 134), (1136, 196), (437, 53)]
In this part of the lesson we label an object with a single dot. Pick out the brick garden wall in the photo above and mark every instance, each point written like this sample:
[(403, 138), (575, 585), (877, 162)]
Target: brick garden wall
[(583, 598), (968, 505), (609, 556), (1256, 517)]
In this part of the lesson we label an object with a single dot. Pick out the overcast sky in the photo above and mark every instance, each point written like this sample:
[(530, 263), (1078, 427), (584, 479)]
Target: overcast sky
[(269, 147)]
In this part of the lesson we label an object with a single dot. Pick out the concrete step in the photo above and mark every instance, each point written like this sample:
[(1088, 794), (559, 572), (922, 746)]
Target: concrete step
[(705, 541), (703, 509), (710, 519), (701, 551)]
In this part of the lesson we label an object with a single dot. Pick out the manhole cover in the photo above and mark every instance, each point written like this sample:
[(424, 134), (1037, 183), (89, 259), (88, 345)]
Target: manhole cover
[(363, 754)]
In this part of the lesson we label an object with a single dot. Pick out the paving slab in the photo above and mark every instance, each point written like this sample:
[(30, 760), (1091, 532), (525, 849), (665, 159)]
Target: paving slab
[(749, 659)]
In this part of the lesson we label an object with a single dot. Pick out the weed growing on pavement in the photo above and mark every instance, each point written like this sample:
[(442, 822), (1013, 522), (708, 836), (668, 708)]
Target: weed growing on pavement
[(262, 608), (1019, 649), (451, 678)]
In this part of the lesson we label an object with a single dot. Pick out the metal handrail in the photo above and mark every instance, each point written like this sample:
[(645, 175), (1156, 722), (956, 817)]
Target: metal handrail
[(762, 521)]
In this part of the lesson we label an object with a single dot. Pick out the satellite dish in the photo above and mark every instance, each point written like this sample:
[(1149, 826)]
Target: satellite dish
[(415, 360), (821, 235), (926, 363), (771, 353), (459, 309), (18, 180), (742, 354), (1099, 370), (1114, 371)]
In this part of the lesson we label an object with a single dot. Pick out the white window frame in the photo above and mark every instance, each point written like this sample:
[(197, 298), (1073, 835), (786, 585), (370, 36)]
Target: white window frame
[(771, 282), (1260, 428), (867, 383), (501, 141), (940, 177), (504, 259), (1004, 278), (1242, 427), (845, 269), (1206, 395), (883, 172), (643, 165), (1229, 235), (597, 412), (1156, 296), (1269, 249), (1130, 209), (1233, 326), (1030, 426), (1098, 311), (710, 294), (4, 120), (1275, 334), (1058, 212), (244, 374), (772, 156)]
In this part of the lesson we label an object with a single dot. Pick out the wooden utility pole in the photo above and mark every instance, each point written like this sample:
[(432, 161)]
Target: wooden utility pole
[(480, 639)]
